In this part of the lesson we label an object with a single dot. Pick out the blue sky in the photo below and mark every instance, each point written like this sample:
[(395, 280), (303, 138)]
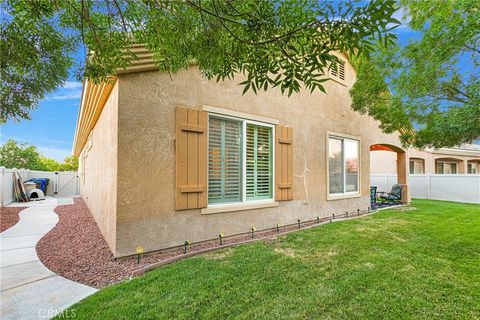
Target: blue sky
[(52, 125)]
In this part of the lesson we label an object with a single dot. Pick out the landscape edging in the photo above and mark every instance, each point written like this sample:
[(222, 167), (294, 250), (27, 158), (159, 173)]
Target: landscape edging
[(165, 262)]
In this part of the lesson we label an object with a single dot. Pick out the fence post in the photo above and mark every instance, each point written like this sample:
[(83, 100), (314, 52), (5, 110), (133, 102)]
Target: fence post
[(55, 186), (429, 185), (2, 181), (77, 184)]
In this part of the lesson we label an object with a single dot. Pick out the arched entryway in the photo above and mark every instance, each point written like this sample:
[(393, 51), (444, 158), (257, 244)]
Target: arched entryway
[(400, 167)]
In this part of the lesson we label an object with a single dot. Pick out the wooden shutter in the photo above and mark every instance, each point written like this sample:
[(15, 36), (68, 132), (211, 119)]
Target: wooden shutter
[(191, 159), (283, 163)]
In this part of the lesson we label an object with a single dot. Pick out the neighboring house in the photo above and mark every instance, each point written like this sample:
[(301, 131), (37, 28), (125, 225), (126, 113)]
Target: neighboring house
[(164, 159), (458, 160)]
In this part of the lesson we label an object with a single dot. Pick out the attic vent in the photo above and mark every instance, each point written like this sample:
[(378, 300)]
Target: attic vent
[(337, 71)]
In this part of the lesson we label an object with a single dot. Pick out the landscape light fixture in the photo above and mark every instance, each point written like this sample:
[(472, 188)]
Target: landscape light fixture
[(139, 250), (220, 236)]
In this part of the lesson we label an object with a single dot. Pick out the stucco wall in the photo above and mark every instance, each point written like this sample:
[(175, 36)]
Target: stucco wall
[(146, 155), (98, 170), (383, 162)]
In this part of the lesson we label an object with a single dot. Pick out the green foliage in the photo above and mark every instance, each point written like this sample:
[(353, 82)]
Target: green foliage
[(287, 44), (20, 156), (25, 156), (435, 81), (70, 163), (48, 164), (35, 56), (396, 264)]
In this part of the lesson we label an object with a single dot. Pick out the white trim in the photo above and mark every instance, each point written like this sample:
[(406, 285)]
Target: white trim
[(79, 114), (343, 195), (340, 82), (244, 160), (237, 114), (239, 206)]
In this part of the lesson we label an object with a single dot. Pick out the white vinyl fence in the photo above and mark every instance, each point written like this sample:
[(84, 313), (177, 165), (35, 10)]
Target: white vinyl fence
[(60, 183), (449, 187), (384, 182)]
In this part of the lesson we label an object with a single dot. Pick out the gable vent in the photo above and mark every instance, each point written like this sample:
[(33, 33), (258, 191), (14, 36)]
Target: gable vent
[(337, 71)]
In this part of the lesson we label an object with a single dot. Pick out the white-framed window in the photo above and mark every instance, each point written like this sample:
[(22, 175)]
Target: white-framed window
[(343, 165), (444, 167), (416, 166), (240, 160), (471, 168)]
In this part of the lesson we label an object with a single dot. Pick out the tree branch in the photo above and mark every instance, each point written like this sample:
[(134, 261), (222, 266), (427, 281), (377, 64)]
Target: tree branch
[(471, 48)]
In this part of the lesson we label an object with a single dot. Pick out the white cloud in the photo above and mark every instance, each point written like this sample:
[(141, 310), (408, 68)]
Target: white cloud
[(66, 96), (404, 19), (72, 85), (71, 90), (48, 150), (30, 140), (57, 153)]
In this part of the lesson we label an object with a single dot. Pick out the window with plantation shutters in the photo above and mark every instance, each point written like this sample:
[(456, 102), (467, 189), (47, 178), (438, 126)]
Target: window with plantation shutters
[(258, 162), (224, 160), (240, 160)]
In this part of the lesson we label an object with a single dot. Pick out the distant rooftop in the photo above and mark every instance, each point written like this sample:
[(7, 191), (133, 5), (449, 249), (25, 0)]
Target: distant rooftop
[(468, 147)]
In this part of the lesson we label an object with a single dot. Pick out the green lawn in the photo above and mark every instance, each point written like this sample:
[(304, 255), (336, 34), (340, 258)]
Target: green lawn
[(417, 264)]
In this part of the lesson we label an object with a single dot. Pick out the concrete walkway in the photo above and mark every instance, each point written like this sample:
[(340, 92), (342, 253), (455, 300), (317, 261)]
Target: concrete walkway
[(28, 289)]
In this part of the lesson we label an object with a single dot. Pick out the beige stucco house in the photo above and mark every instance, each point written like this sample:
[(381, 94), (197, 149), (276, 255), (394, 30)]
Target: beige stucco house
[(164, 160), (459, 160)]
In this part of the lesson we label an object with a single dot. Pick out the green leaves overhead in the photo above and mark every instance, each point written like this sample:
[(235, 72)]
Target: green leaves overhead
[(288, 44), (434, 81), (35, 56)]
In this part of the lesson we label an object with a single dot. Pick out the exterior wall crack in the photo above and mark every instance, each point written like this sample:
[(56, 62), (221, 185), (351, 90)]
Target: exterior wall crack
[(305, 166)]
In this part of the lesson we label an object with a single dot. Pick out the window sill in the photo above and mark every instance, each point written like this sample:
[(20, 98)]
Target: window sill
[(239, 206), (343, 196), (342, 82)]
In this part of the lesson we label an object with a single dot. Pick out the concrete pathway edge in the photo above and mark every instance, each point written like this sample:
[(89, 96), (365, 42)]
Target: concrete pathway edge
[(29, 290)]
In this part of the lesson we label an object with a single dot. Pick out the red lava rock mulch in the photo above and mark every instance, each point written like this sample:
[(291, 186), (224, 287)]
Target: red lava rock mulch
[(9, 217), (76, 249)]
